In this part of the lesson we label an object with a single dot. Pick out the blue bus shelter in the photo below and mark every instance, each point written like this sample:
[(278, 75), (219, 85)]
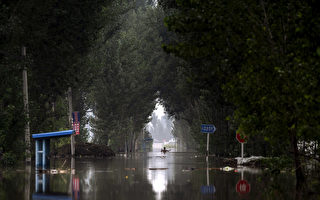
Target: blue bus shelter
[(42, 145)]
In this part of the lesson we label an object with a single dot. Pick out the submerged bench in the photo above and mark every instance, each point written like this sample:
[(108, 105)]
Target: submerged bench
[(43, 147)]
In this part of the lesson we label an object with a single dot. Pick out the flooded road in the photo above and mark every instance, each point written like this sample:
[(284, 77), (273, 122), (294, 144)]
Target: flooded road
[(145, 176)]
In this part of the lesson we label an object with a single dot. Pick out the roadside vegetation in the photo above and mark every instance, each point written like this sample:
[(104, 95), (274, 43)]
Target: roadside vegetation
[(247, 67)]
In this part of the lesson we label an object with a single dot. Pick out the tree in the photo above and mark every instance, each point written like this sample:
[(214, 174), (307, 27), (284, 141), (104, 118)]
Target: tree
[(125, 92), (261, 58), (58, 37)]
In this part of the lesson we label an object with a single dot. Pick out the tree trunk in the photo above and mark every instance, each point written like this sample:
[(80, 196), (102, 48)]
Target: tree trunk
[(125, 146), (26, 109), (299, 172)]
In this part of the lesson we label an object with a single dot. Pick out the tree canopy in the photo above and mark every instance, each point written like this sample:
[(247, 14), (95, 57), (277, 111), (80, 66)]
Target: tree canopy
[(261, 58), (246, 66)]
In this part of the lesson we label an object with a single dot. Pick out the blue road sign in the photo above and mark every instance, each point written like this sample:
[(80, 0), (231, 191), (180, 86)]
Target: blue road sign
[(148, 139), (208, 128), (208, 189)]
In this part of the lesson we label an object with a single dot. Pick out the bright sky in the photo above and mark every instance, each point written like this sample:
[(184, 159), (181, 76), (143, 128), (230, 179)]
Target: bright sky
[(159, 110)]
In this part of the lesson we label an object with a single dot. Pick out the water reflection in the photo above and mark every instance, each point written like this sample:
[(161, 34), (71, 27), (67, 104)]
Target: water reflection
[(53, 184), (243, 186), (44, 190), (146, 176), (27, 181), (160, 171), (208, 189), (42, 182), (88, 179), (159, 182)]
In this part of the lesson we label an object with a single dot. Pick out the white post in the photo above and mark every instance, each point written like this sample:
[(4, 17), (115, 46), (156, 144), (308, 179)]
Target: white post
[(26, 108), (207, 146), (242, 150)]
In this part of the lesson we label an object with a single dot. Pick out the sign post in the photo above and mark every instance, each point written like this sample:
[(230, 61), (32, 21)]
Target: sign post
[(241, 140), (208, 128)]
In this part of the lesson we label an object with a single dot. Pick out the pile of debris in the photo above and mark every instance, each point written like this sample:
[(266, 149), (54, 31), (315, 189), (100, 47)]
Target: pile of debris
[(253, 161), (84, 150)]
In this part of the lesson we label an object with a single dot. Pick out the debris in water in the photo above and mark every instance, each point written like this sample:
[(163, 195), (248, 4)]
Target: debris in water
[(130, 169), (243, 161), (161, 157), (158, 168), (188, 170), (227, 169)]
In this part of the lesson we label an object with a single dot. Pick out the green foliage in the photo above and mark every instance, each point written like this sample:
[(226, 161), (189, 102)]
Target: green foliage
[(277, 163), (125, 92), (280, 75), (8, 159), (196, 95), (260, 58), (58, 36), (11, 107)]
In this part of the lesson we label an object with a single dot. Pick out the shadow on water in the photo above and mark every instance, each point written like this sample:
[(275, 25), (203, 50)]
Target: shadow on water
[(145, 176)]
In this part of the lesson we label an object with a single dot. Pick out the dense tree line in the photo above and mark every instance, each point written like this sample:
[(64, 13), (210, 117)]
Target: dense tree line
[(246, 66), (258, 61), (126, 89), (58, 36), (108, 52)]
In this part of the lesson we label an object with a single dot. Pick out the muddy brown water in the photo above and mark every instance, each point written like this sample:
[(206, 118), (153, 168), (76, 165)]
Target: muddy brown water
[(141, 176)]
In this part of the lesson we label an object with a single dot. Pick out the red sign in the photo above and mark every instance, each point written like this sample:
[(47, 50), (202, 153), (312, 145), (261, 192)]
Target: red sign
[(243, 187), (76, 127), (76, 122), (240, 138)]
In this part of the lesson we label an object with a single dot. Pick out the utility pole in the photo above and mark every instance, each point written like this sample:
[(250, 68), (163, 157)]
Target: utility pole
[(208, 137), (70, 120), (72, 140), (26, 107)]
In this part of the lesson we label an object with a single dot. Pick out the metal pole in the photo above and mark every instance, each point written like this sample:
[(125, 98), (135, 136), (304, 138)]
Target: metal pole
[(44, 154), (242, 150), (72, 145), (37, 154), (26, 108), (70, 119), (207, 146)]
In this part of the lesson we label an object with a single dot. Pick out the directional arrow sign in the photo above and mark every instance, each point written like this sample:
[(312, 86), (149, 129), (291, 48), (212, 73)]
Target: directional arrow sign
[(208, 128)]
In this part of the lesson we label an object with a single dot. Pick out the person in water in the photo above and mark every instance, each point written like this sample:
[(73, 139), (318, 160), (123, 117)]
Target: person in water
[(164, 150)]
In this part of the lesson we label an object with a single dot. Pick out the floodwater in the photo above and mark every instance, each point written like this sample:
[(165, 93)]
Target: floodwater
[(141, 176)]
